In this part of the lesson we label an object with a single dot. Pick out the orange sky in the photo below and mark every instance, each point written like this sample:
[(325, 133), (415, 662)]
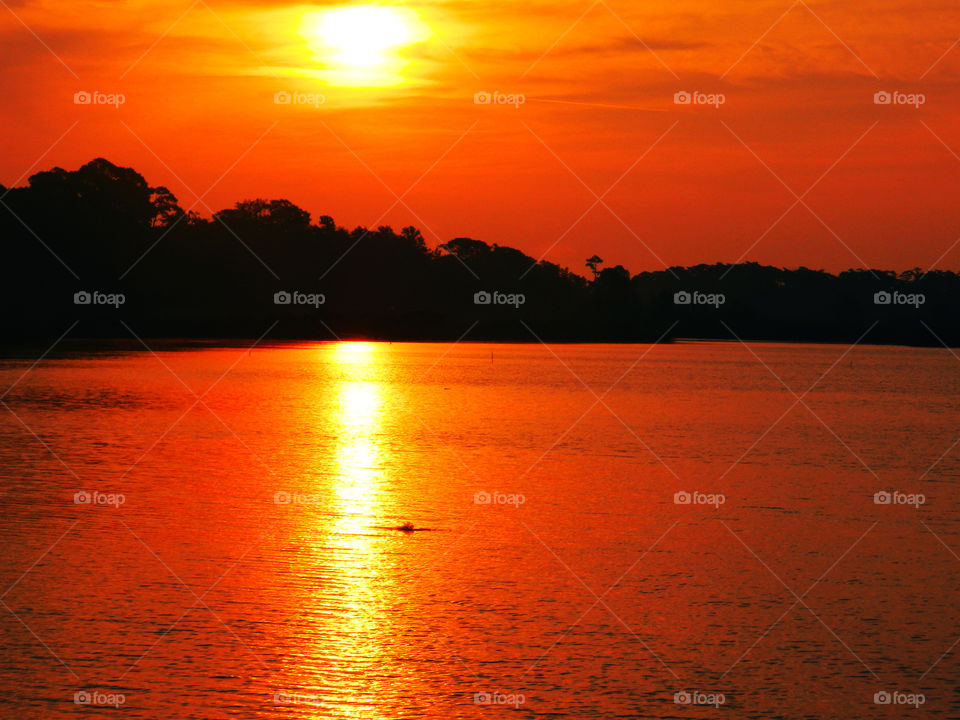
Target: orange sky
[(691, 183)]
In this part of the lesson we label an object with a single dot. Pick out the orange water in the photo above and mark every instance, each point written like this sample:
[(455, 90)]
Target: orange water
[(582, 590)]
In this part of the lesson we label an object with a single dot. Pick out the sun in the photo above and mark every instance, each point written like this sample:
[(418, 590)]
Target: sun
[(360, 43), (361, 35)]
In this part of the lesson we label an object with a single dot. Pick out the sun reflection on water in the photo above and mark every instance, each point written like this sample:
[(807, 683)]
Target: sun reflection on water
[(358, 352), (358, 558), (359, 463)]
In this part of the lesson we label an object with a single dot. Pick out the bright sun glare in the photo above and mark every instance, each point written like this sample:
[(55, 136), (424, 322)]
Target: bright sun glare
[(362, 40), (362, 34)]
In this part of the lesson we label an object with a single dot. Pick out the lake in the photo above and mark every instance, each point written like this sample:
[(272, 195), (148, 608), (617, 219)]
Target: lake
[(682, 530)]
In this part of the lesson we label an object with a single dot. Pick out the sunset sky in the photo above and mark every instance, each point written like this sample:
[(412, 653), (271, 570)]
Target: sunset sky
[(798, 166)]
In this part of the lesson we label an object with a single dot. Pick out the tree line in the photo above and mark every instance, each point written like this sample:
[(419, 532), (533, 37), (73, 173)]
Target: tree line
[(100, 246)]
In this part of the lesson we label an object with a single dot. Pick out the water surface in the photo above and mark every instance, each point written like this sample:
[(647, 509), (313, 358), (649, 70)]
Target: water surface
[(251, 569)]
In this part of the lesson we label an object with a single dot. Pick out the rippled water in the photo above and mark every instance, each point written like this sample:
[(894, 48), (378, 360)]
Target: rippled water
[(238, 556)]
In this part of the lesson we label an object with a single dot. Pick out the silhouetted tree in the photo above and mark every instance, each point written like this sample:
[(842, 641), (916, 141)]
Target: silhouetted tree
[(593, 263), (104, 228)]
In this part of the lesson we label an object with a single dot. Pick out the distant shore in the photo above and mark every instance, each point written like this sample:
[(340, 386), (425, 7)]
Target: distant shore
[(99, 253), (117, 345)]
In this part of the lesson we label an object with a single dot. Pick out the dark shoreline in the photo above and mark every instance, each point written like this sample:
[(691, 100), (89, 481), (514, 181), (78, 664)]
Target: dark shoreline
[(119, 345), (99, 251)]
